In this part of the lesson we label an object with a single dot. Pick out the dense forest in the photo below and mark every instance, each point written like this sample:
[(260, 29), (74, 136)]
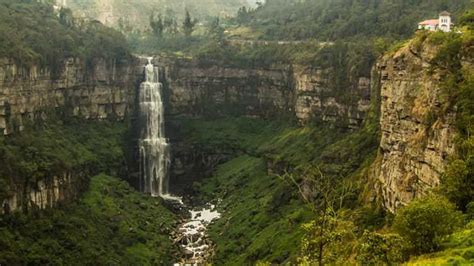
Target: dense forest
[(32, 32), (328, 20)]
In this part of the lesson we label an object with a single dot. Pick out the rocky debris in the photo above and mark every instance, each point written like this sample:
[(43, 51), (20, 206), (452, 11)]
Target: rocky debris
[(192, 238)]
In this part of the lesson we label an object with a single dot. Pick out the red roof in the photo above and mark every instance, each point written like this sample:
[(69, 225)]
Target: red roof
[(433, 22)]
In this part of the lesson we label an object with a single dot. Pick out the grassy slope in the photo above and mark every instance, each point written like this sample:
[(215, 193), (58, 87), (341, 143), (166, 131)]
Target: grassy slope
[(458, 249), (112, 224), (262, 213), (52, 148)]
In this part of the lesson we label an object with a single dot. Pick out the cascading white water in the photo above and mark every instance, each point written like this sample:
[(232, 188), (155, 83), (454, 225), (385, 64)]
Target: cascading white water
[(154, 163), (154, 149)]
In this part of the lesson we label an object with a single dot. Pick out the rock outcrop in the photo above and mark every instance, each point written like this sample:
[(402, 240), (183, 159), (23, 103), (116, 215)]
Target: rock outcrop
[(46, 193), (106, 91), (316, 100), (281, 90), (418, 133)]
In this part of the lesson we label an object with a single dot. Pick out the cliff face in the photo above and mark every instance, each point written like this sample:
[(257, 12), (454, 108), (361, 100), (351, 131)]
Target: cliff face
[(28, 94), (316, 100), (106, 91), (46, 193), (282, 90), (417, 134), (301, 93)]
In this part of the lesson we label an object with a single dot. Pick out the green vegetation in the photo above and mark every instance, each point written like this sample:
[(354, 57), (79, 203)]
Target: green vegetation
[(458, 81), (344, 19), (50, 149), (31, 32), (458, 249), (426, 221), (134, 15), (262, 215), (263, 211), (381, 249), (111, 224)]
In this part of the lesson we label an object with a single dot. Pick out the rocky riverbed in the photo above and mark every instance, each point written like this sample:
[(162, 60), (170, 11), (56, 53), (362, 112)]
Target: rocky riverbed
[(191, 234)]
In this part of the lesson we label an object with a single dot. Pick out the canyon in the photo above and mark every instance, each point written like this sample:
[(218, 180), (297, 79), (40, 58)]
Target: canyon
[(109, 91)]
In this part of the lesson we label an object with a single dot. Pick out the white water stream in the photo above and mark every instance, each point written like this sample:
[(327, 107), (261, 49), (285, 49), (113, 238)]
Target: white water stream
[(193, 236)]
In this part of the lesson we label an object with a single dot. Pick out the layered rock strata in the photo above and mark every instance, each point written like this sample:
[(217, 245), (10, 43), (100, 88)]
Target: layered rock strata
[(105, 91), (418, 131), (29, 94)]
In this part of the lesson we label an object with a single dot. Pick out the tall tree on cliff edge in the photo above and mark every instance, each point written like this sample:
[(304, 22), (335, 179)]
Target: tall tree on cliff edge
[(188, 24)]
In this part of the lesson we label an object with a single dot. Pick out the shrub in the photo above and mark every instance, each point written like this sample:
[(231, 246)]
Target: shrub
[(380, 249), (470, 210), (456, 182), (425, 221)]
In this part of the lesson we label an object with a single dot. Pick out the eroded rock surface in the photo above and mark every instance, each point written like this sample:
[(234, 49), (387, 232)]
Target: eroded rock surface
[(106, 91), (418, 132)]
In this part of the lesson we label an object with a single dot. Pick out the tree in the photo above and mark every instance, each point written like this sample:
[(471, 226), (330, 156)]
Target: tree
[(457, 183), (216, 31), (381, 249), (188, 24), (66, 17), (328, 234), (242, 15), (157, 25), (425, 221), (169, 22), (467, 19)]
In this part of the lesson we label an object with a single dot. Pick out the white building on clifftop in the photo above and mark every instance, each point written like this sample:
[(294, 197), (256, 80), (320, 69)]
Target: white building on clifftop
[(443, 23)]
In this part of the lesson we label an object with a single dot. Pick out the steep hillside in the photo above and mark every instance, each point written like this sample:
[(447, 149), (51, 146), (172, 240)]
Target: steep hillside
[(33, 33), (110, 224), (344, 19), (136, 14)]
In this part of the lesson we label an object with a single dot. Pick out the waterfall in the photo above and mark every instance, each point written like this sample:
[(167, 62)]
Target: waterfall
[(154, 149)]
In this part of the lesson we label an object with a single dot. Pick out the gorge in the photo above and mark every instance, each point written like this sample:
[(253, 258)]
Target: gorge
[(231, 145)]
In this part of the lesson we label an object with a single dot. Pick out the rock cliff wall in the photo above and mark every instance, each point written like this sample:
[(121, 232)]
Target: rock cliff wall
[(107, 91), (301, 92), (46, 193), (417, 133), (317, 100)]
